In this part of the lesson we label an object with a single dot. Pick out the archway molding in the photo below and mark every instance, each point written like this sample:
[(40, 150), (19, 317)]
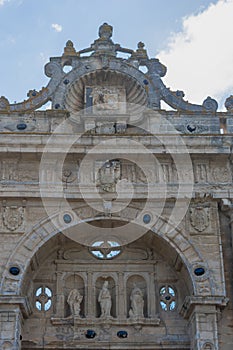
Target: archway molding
[(44, 230)]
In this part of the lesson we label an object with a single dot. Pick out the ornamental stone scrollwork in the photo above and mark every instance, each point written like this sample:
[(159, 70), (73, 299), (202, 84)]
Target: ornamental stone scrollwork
[(210, 104), (102, 56), (13, 216), (199, 218)]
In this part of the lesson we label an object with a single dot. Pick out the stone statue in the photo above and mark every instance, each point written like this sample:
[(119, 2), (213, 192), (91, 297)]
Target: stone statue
[(74, 300), (137, 303), (105, 300)]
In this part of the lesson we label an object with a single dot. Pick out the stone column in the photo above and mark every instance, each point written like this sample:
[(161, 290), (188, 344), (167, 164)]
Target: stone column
[(231, 223), (12, 311), (227, 207), (60, 298), (151, 296), (201, 313), (121, 312), (90, 295)]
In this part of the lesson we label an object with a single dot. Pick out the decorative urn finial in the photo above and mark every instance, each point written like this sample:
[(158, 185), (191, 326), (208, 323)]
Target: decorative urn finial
[(105, 31)]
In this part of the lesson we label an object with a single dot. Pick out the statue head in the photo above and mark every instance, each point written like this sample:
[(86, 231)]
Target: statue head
[(105, 284), (105, 31)]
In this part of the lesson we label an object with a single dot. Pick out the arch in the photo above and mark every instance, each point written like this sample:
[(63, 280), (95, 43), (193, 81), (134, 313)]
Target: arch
[(44, 231)]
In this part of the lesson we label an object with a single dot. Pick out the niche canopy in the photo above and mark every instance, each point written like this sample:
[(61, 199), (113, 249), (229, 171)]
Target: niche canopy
[(75, 75)]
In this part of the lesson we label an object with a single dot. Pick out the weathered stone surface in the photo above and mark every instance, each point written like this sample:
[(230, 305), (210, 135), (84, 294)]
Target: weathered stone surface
[(106, 191)]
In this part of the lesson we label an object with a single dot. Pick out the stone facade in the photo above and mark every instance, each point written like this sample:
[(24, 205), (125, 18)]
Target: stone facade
[(116, 215)]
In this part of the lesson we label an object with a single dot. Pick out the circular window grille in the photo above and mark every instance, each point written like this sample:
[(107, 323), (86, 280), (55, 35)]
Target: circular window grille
[(167, 298), (43, 298), (105, 249)]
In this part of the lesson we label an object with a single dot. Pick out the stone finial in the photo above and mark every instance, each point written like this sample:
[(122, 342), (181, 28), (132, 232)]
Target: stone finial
[(229, 103), (210, 104), (105, 31), (4, 104), (69, 49), (140, 52)]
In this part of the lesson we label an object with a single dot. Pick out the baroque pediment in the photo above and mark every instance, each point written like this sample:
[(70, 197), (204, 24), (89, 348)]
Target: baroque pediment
[(97, 74)]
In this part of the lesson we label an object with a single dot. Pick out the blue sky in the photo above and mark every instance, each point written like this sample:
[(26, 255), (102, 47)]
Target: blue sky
[(31, 31)]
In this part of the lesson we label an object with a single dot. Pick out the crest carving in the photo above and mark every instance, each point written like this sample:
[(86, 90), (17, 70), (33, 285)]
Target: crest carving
[(108, 175), (199, 218), (13, 217)]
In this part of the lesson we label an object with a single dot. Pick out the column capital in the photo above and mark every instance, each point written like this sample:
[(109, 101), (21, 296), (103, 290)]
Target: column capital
[(191, 302), (7, 301)]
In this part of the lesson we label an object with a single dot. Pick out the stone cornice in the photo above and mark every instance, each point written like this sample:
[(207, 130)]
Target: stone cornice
[(22, 302), (191, 302)]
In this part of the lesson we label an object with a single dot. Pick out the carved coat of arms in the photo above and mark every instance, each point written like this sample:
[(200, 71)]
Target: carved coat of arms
[(199, 218), (108, 175), (13, 217)]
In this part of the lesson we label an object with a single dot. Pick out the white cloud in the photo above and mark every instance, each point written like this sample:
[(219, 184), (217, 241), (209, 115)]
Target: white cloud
[(200, 57), (56, 27), (2, 2)]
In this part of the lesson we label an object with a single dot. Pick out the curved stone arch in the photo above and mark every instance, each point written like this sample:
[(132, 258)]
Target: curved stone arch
[(69, 274), (45, 230), (108, 275)]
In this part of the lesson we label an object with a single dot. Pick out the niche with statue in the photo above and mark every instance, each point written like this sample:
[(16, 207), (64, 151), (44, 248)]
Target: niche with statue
[(105, 298), (74, 291), (136, 297)]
